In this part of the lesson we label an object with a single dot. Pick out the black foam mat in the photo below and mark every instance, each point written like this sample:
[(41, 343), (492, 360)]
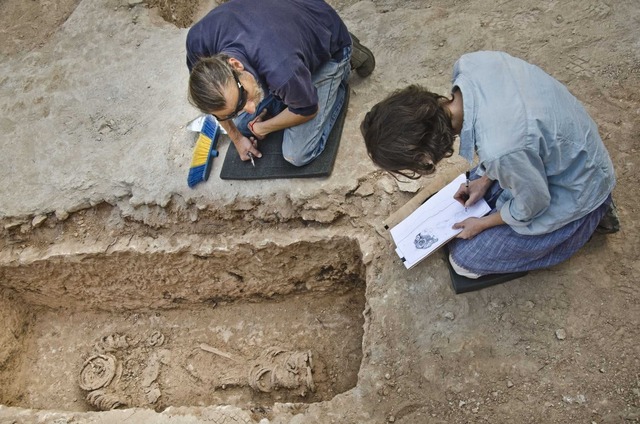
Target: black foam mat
[(273, 165), (462, 284)]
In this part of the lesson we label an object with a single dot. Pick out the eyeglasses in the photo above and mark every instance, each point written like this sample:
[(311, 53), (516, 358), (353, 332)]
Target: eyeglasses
[(242, 100)]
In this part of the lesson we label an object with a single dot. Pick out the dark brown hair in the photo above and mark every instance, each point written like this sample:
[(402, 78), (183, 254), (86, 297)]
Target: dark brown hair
[(208, 78), (408, 131)]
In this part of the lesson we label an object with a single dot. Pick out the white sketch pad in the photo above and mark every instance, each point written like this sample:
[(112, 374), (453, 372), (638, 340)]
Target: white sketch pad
[(430, 226)]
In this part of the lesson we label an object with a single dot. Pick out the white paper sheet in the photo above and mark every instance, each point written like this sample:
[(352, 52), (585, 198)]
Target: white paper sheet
[(430, 226), (196, 124)]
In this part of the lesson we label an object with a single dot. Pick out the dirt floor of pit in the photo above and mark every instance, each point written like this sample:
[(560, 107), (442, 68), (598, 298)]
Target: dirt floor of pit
[(191, 356), (558, 346)]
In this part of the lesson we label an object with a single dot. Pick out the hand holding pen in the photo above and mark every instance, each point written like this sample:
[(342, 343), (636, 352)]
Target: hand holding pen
[(254, 143), (472, 190), (464, 194), (247, 148)]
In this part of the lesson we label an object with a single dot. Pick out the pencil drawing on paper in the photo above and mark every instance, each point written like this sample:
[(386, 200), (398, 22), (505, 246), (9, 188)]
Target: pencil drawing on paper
[(434, 228), (424, 241), (431, 225)]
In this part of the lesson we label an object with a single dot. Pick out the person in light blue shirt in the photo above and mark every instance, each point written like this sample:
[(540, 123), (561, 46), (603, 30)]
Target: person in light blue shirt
[(541, 164)]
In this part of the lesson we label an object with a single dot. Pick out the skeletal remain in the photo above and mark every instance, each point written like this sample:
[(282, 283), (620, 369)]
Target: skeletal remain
[(102, 373), (212, 349), (156, 339), (113, 342), (104, 401), (276, 368), (97, 372)]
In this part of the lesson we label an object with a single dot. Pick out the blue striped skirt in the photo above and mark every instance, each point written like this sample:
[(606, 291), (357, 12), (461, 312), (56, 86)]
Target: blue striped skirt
[(502, 250)]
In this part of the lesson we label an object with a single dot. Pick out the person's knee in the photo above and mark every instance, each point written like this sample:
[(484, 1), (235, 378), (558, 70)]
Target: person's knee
[(297, 158), (299, 152)]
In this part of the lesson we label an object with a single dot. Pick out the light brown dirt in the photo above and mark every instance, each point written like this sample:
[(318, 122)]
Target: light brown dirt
[(558, 346)]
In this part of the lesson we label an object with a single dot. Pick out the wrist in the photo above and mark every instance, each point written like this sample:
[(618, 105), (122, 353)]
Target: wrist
[(232, 131), (252, 127), (257, 128), (486, 181), (492, 220), (484, 184)]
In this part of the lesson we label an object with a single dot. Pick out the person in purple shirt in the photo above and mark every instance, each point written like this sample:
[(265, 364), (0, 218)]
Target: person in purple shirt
[(541, 166), (261, 66)]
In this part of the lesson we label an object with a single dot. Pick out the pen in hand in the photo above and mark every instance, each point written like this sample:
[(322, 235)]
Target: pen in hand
[(254, 142), (466, 184)]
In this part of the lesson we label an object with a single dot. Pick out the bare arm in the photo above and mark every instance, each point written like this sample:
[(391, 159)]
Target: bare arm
[(471, 227), (284, 119)]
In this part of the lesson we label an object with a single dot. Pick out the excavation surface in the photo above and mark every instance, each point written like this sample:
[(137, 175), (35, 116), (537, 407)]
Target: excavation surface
[(242, 301)]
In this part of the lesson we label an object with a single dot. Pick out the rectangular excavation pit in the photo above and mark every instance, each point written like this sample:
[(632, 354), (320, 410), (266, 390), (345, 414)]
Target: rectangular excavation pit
[(245, 326)]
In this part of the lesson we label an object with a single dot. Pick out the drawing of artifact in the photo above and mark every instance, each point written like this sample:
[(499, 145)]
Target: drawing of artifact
[(424, 241)]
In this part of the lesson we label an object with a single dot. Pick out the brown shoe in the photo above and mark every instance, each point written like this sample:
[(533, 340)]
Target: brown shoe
[(362, 60)]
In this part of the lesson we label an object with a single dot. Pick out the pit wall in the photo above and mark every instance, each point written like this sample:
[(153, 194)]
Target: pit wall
[(155, 273), (14, 319), (13, 316), (88, 259), (175, 272)]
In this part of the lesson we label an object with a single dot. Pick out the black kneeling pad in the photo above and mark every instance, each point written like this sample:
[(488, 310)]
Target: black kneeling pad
[(273, 165), (462, 284)]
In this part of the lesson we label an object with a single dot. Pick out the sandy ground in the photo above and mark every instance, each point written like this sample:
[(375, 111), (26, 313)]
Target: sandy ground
[(105, 251)]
